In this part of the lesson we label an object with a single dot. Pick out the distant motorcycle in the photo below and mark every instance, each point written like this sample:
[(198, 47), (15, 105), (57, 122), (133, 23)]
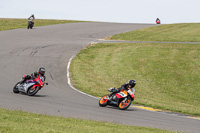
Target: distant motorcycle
[(30, 24), (122, 99), (31, 86), (158, 22)]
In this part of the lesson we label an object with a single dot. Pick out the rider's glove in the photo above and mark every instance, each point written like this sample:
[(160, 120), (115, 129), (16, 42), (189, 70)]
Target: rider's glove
[(111, 89), (118, 90)]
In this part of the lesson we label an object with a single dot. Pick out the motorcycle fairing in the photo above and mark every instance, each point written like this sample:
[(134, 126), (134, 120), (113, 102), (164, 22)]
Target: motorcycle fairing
[(131, 93), (40, 81), (28, 84), (122, 94)]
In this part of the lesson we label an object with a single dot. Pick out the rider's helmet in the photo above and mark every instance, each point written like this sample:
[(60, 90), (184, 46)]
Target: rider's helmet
[(42, 71), (32, 15), (132, 83)]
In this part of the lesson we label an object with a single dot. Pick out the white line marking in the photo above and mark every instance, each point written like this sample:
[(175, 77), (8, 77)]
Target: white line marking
[(69, 81)]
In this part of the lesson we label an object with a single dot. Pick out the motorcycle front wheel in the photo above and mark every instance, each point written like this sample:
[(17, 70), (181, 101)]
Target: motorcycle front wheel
[(103, 101), (31, 91), (125, 104)]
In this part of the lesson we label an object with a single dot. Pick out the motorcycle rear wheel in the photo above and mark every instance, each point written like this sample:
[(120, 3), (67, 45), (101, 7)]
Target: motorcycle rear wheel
[(15, 89), (125, 104), (103, 101), (31, 91)]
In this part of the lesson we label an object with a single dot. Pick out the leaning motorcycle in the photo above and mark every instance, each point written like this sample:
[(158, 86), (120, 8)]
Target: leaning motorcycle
[(122, 99), (31, 86)]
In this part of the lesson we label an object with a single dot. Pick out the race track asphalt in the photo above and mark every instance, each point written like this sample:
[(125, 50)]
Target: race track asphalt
[(23, 51)]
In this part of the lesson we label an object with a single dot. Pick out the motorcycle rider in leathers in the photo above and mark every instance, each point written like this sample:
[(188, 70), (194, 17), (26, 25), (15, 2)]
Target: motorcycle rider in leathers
[(157, 20), (32, 18), (40, 73), (126, 86)]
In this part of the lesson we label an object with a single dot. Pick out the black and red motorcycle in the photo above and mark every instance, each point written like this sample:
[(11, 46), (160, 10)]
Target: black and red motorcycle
[(158, 22)]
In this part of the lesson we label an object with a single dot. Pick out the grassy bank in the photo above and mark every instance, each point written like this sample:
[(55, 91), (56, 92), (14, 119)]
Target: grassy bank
[(167, 75), (17, 121), (8, 24), (189, 32)]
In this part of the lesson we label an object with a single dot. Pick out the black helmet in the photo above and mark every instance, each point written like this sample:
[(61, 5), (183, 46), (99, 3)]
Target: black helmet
[(42, 71), (32, 15), (132, 83)]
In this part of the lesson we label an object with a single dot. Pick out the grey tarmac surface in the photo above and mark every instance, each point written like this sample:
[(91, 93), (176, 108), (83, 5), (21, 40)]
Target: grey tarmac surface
[(23, 51)]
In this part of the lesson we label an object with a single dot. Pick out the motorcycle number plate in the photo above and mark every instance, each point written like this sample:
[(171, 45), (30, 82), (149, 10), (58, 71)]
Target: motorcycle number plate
[(122, 94)]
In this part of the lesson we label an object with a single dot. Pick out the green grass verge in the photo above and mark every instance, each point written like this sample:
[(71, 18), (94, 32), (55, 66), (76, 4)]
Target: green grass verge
[(22, 122), (189, 32), (8, 24), (167, 75)]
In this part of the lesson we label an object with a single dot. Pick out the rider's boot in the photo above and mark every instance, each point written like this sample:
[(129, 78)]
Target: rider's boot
[(22, 81)]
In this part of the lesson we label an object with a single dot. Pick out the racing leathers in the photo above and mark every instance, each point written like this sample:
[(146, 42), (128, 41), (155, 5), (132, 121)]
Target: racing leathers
[(32, 19), (32, 76), (124, 86)]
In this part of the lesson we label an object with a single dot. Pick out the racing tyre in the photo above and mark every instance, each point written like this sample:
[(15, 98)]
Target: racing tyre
[(15, 89), (103, 101), (31, 91), (125, 104)]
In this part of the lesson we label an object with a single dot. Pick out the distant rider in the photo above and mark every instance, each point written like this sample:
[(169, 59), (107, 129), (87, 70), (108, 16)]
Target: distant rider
[(157, 20), (32, 18), (34, 75)]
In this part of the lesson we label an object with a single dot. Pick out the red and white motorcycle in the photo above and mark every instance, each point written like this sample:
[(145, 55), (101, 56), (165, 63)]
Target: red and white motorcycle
[(31, 86), (122, 99)]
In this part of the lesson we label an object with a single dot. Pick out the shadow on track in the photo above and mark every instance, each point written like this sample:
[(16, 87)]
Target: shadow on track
[(37, 95), (129, 109)]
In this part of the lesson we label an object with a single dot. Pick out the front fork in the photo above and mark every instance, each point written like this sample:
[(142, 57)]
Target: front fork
[(34, 86), (124, 99)]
